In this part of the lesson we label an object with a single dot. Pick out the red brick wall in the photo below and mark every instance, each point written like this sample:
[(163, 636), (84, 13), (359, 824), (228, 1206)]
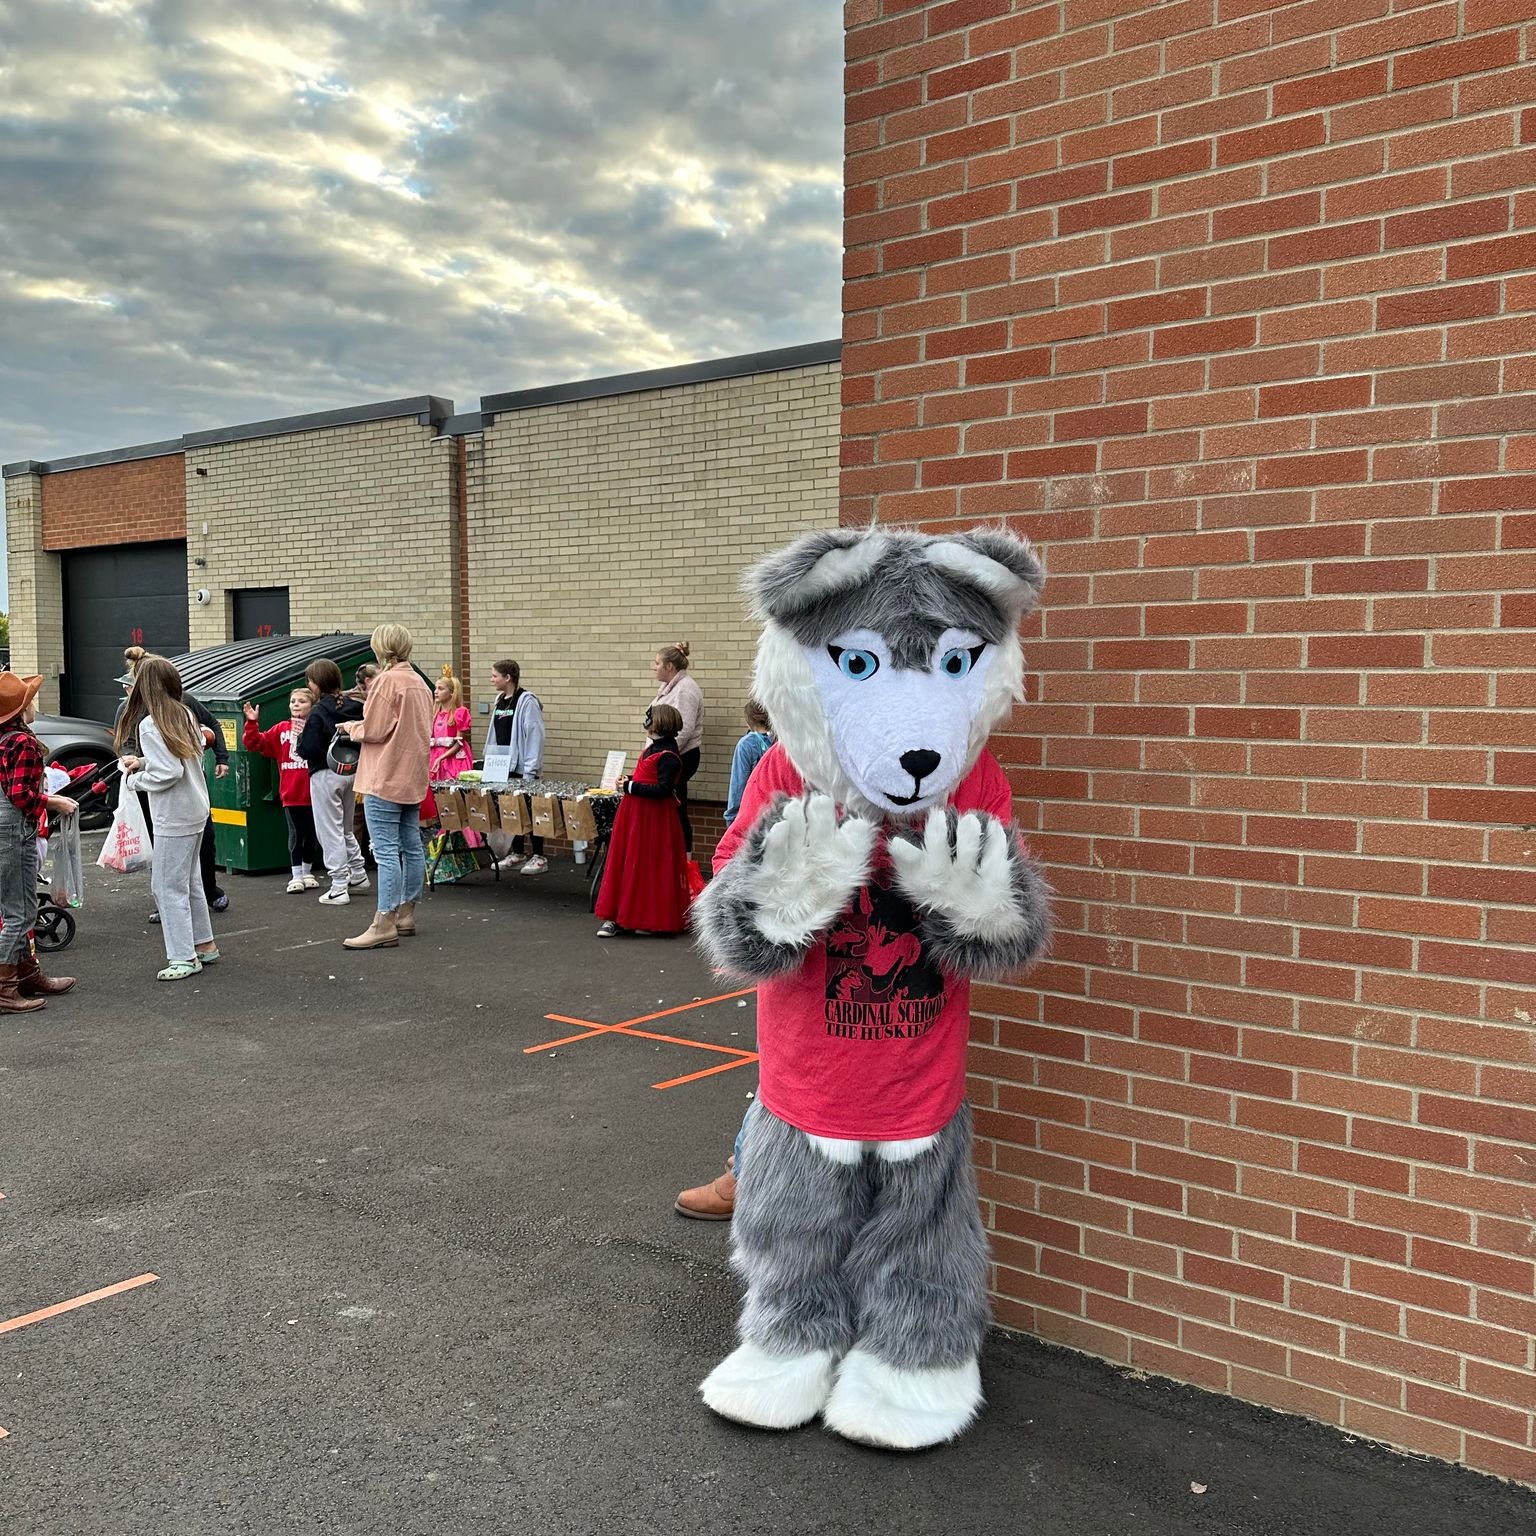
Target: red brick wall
[(135, 503), (1229, 304)]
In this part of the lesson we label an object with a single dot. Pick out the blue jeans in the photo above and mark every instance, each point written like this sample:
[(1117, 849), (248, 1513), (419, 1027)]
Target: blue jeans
[(741, 1137), (395, 831)]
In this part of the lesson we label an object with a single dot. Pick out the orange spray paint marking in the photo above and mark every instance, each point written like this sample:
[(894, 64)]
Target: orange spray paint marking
[(590, 1030), (77, 1301), (693, 1077)]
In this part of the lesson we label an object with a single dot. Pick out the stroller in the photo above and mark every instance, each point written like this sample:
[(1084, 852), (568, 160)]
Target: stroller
[(55, 926)]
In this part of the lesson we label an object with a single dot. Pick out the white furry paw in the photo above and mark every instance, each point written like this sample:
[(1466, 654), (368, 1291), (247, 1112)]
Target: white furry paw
[(878, 1404), (810, 866), (971, 883), (751, 1386)]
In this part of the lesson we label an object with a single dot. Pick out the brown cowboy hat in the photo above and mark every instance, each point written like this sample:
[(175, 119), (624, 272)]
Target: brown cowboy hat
[(16, 693)]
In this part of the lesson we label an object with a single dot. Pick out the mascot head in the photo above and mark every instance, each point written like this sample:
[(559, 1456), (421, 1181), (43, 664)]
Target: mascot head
[(888, 657)]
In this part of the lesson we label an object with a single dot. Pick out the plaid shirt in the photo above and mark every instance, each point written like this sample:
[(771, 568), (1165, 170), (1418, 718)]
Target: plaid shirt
[(21, 773)]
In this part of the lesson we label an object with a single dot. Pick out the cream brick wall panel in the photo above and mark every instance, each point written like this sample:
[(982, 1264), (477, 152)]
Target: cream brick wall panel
[(602, 529), (356, 521), (36, 595)]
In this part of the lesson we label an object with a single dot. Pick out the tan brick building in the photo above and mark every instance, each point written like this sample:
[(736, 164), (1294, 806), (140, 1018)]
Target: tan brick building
[(575, 528)]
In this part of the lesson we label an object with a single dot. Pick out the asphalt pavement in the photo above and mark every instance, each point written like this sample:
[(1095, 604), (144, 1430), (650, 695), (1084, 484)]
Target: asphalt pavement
[(412, 1278)]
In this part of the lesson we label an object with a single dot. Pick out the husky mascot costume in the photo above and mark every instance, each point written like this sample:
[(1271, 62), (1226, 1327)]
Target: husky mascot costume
[(871, 872)]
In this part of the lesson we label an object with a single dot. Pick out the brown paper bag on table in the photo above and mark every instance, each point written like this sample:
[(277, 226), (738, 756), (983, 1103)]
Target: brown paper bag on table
[(548, 821), (513, 810), (450, 809), (480, 811), (580, 824)]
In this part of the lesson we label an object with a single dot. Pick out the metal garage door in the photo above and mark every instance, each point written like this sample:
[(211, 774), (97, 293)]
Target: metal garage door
[(135, 594)]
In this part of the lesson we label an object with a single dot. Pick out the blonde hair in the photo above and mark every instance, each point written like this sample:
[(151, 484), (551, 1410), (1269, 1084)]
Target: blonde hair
[(456, 688), (301, 693), (675, 655), (157, 695), (391, 644), (133, 655)]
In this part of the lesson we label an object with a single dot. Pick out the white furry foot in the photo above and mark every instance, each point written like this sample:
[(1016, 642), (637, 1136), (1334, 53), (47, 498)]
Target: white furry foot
[(771, 1391), (906, 1410)]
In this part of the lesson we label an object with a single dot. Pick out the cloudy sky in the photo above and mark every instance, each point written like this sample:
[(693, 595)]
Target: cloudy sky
[(214, 211)]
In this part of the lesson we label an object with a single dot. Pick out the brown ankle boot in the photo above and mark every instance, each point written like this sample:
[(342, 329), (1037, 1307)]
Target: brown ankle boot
[(405, 919), (709, 1202), (31, 982), (11, 1000), (381, 933)]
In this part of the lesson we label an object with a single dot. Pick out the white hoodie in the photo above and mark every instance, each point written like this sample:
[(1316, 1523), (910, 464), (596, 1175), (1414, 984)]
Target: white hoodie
[(178, 793)]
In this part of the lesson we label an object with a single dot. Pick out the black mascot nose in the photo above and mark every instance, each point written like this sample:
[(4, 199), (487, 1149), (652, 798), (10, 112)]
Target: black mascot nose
[(920, 764)]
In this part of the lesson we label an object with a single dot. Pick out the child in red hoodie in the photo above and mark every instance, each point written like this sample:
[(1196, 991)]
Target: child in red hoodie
[(279, 742)]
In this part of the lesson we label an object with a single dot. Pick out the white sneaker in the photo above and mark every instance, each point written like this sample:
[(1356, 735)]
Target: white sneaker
[(296, 885), (336, 899), (358, 883), (512, 861), (537, 865)]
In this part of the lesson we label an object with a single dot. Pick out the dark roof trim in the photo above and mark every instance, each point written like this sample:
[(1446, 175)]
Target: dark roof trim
[(429, 411), (90, 460), (664, 378), (465, 424)]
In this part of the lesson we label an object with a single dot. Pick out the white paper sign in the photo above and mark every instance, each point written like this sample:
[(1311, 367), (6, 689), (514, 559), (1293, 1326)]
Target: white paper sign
[(613, 767), (498, 765)]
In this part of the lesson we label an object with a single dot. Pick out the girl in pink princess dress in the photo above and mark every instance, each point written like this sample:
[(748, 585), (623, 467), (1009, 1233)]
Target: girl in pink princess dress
[(450, 750)]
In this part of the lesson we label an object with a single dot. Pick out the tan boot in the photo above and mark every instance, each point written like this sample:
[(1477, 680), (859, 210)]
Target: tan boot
[(709, 1202), (381, 933), (11, 1001), (405, 919), (31, 982)]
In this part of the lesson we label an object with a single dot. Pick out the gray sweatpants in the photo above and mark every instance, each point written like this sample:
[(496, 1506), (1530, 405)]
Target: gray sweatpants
[(890, 1256), (177, 882), (332, 798)]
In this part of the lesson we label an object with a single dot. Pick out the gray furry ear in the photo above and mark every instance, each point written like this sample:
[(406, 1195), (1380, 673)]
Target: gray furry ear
[(816, 564), (1003, 565)]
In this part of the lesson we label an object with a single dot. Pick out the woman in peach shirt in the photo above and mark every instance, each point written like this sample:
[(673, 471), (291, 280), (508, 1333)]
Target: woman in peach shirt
[(394, 737)]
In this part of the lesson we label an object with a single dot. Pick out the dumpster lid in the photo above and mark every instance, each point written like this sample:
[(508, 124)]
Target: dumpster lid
[(247, 667)]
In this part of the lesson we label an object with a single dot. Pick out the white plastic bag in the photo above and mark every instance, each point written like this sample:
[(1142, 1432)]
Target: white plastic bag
[(127, 847)]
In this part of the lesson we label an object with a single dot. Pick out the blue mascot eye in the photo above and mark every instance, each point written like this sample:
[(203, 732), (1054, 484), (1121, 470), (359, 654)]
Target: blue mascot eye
[(857, 665), (958, 662)]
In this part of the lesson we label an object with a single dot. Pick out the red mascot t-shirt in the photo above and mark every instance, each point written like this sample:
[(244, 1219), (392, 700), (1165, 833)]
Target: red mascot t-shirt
[(866, 1041)]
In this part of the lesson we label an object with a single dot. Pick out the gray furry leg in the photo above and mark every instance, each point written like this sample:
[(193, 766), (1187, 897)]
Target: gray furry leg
[(796, 1217), (918, 1274)]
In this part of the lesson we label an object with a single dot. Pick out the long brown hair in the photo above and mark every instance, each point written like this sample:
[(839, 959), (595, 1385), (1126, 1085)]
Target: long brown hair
[(323, 677), (157, 695)]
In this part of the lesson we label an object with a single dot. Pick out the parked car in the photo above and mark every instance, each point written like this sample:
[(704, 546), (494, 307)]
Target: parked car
[(71, 744)]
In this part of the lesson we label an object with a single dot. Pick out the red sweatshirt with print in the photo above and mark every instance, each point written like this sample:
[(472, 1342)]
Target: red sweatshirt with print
[(278, 743)]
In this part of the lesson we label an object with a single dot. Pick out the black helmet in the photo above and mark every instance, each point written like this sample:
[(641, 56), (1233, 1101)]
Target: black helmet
[(342, 755)]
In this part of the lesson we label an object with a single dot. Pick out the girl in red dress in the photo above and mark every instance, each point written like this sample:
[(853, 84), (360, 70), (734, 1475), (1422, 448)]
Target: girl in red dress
[(645, 882)]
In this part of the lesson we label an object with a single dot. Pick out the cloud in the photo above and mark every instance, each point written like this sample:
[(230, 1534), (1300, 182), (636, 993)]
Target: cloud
[(218, 212)]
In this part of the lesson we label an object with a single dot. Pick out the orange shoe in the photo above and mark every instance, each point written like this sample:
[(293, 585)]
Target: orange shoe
[(709, 1202)]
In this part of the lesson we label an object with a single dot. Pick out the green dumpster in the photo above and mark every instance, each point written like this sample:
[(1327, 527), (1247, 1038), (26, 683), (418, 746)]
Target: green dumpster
[(250, 830)]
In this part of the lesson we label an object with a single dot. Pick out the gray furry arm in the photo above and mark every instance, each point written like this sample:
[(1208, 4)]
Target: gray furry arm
[(984, 907), (797, 870), (1017, 939)]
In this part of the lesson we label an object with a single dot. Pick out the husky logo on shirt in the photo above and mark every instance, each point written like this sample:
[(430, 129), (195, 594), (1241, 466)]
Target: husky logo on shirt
[(880, 984)]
